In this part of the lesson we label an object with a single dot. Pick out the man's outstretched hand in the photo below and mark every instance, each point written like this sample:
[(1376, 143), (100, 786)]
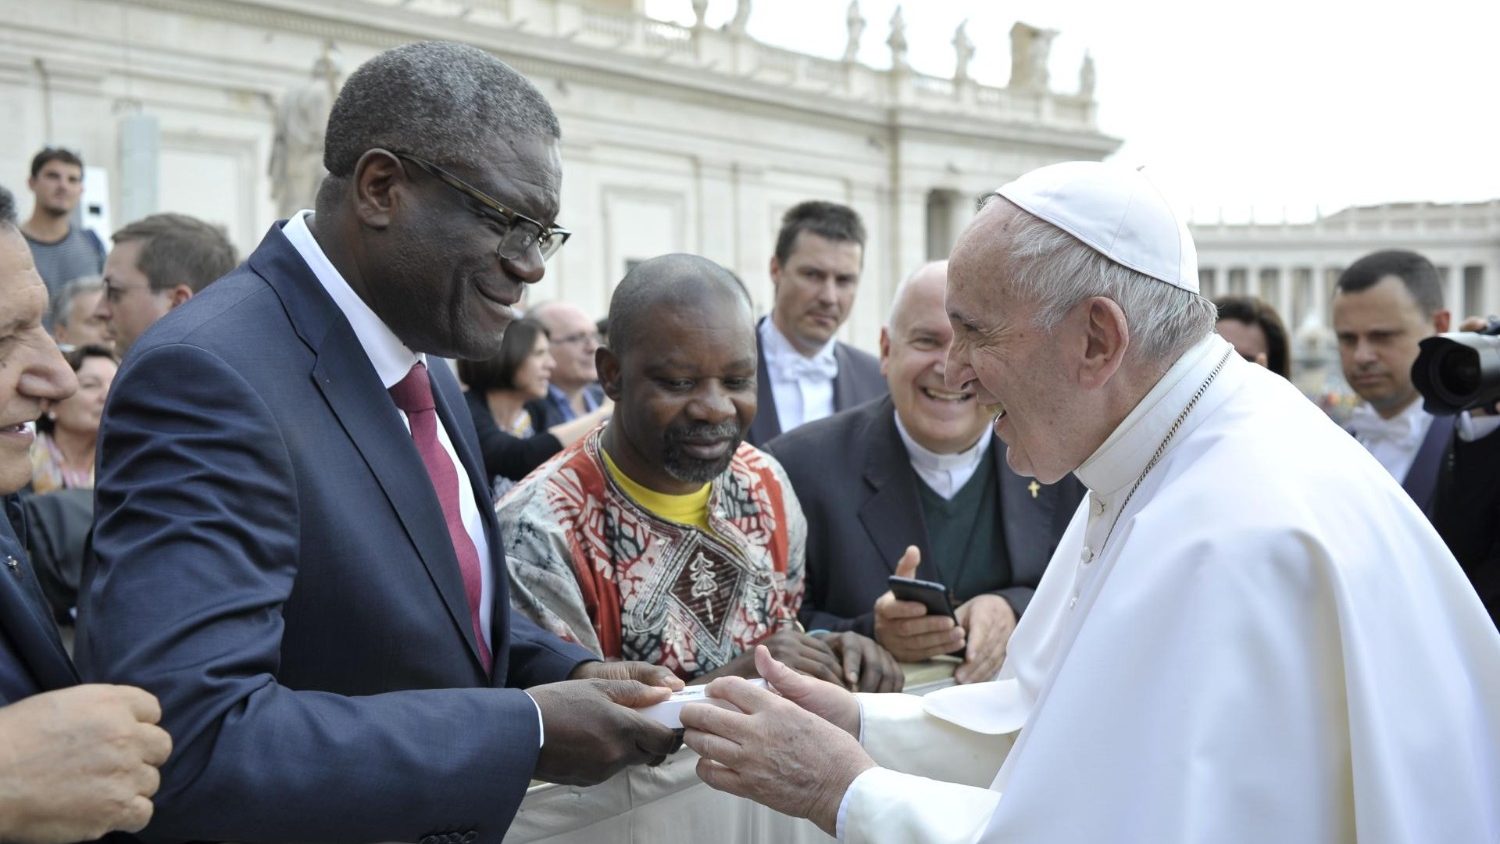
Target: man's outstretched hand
[(795, 752), (592, 731)]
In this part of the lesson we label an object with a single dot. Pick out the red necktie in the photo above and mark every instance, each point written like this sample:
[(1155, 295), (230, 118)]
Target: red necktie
[(413, 394)]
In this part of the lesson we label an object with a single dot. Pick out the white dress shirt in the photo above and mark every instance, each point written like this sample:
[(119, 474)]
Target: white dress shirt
[(1394, 441), (945, 474), (801, 385), (392, 360)]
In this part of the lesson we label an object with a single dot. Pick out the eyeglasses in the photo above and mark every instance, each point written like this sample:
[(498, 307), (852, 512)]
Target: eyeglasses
[(520, 231)]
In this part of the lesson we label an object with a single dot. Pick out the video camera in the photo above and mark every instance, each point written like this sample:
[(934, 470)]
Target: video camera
[(1459, 371)]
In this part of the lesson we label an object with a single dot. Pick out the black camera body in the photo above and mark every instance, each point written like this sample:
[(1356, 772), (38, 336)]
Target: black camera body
[(1459, 371)]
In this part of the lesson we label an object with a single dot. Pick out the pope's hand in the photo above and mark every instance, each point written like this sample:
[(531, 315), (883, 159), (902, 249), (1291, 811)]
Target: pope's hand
[(795, 753), (989, 620), (79, 762), (641, 672), (905, 629), (591, 729)]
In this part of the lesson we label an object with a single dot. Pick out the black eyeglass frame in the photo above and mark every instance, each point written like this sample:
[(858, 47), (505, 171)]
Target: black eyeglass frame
[(548, 239)]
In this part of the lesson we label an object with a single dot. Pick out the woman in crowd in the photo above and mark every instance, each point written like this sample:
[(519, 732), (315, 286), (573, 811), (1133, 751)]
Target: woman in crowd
[(1256, 331), (498, 390), (62, 456)]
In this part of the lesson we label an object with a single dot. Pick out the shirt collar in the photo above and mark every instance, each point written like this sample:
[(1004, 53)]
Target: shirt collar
[(923, 458), (390, 357), (777, 348), (1410, 425), (1127, 450)]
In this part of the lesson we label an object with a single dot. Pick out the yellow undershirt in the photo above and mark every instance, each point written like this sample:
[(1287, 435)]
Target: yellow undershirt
[(689, 509)]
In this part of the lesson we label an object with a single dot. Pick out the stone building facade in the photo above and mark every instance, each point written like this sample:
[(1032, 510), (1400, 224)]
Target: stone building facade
[(675, 138)]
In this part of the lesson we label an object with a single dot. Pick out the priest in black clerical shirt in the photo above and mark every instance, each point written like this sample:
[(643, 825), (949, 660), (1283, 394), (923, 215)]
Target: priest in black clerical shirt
[(920, 469)]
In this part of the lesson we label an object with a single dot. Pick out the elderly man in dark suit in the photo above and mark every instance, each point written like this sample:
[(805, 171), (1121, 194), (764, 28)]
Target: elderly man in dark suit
[(802, 372), (918, 476), (76, 761), (296, 549)]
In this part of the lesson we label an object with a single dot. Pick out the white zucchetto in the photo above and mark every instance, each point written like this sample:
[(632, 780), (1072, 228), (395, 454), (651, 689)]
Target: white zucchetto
[(1117, 212)]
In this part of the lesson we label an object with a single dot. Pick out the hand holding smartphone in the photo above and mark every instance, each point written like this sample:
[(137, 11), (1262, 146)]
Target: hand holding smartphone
[(933, 596)]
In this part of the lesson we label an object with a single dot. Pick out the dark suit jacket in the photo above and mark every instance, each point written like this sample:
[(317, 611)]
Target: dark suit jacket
[(1468, 513), (858, 381), (505, 454), (853, 476), (1421, 481), (272, 563), (33, 654)]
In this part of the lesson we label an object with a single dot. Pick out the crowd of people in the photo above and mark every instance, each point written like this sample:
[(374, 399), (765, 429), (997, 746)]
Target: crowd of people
[(264, 509)]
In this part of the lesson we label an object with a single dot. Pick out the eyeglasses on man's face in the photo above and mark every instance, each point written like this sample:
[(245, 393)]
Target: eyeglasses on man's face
[(520, 231)]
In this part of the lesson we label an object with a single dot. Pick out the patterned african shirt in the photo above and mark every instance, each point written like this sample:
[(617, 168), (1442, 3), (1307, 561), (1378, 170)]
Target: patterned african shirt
[(591, 565)]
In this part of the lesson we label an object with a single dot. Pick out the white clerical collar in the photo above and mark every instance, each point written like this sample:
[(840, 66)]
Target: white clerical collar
[(924, 459), (1407, 428), (1127, 450), (784, 362), (391, 358)]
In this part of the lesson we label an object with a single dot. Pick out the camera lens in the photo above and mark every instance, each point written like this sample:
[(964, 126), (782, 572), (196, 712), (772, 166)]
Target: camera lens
[(1458, 372)]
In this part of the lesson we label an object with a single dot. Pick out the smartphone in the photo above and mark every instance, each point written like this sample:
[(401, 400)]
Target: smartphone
[(933, 596)]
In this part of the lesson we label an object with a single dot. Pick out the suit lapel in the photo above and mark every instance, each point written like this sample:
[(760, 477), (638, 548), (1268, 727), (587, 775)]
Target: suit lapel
[(348, 382), (24, 616), (767, 425), (887, 513), (1024, 519), (843, 382), (1421, 479)]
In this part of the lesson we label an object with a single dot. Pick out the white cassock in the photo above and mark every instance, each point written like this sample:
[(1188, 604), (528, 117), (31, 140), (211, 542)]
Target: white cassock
[(1272, 646)]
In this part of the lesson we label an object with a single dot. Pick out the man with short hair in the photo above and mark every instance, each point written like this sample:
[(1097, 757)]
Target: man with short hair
[(62, 252), (803, 372), (574, 391), (663, 537), (74, 321), (1384, 305), (78, 761), (295, 544), (1301, 660), (158, 263), (916, 476)]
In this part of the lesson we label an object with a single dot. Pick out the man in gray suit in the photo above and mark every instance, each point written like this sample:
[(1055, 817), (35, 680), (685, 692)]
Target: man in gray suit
[(918, 475), (803, 373)]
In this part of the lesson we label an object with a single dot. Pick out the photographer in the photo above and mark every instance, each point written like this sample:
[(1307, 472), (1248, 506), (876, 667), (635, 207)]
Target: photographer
[(1468, 503), (1385, 306)]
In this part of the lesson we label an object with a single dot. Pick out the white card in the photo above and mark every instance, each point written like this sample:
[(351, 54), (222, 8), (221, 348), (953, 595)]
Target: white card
[(669, 711)]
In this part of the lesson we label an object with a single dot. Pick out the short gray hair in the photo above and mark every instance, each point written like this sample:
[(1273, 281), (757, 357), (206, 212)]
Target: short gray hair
[(63, 304), (443, 101), (1057, 271)]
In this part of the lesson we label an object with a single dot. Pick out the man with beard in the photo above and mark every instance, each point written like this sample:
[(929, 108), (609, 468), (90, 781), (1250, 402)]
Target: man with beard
[(663, 537)]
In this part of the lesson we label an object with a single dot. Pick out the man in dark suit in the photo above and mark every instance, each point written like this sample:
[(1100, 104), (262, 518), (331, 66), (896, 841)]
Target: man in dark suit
[(77, 761), (296, 549), (802, 372), (918, 476), (1384, 305)]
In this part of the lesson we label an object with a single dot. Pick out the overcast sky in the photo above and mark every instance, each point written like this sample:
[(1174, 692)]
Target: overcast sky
[(1263, 106)]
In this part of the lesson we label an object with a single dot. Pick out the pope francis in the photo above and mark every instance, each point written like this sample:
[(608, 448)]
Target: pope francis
[(1249, 633)]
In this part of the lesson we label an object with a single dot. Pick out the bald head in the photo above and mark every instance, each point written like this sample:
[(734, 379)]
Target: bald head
[(671, 283), (919, 287)]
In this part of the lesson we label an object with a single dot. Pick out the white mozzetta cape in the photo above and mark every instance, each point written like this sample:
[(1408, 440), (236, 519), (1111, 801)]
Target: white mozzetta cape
[(1273, 646)]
